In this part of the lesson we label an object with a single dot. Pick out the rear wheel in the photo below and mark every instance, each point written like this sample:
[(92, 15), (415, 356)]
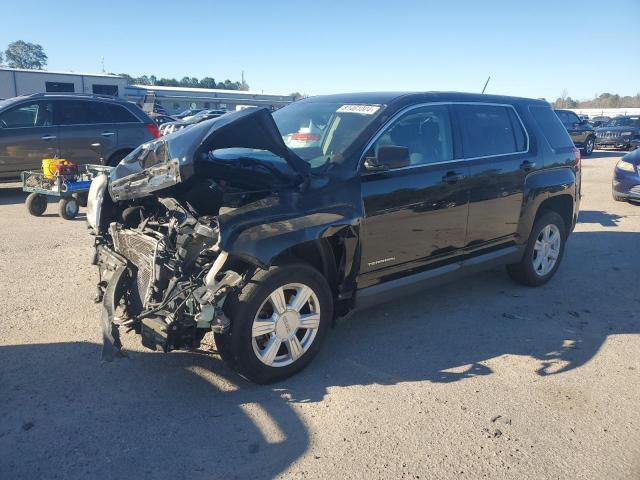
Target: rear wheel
[(588, 147), (115, 159), (278, 322), (68, 208), (36, 204), (543, 252)]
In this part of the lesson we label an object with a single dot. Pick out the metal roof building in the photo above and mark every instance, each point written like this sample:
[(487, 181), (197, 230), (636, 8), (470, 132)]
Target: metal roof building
[(14, 82)]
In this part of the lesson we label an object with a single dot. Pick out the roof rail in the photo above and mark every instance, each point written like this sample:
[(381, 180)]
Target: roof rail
[(74, 94)]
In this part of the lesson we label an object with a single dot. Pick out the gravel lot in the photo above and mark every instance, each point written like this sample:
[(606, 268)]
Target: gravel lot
[(481, 378)]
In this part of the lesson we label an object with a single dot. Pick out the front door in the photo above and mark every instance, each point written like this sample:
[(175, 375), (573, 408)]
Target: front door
[(86, 135), (414, 215), (27, 135)]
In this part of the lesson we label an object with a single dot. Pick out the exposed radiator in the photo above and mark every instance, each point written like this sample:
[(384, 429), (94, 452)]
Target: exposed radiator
[(140, 250)]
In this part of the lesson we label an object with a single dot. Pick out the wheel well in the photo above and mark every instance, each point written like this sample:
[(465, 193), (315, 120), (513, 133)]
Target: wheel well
[(320, 254), (123, 152), (562, 205)]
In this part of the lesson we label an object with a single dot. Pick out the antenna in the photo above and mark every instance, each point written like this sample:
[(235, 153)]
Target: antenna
[(487, 83)]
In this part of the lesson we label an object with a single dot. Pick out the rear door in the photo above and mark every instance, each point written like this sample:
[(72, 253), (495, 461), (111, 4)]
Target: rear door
[(86, 133), (27, 135), (415, 215), (495, 144), (131, 131)]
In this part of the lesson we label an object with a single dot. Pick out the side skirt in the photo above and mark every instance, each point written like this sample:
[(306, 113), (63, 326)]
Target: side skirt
[(384, 292)]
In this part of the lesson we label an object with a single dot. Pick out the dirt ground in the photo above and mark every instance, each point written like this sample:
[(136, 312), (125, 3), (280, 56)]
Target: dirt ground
[(477, 379)]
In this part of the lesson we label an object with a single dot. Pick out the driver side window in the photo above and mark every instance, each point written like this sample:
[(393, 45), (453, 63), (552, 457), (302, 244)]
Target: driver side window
[(425, 131)]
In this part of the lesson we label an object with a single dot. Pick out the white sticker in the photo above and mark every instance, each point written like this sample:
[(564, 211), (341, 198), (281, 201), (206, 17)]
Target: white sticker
[(362, 109)]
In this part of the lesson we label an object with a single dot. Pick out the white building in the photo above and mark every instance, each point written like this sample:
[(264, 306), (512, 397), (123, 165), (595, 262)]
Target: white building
[(15, 81)]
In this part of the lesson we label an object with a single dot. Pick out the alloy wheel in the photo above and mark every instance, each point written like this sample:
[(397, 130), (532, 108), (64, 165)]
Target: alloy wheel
[(286, 325), (546, 250)]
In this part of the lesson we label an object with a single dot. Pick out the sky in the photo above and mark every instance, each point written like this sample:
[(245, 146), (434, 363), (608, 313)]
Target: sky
[(532, 49)]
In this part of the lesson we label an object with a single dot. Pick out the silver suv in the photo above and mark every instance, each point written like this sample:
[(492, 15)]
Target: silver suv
[(81, 128)]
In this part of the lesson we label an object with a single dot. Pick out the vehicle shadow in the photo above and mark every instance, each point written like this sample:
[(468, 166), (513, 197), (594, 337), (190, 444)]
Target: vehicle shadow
[(605, 219), (11, 194), (605, 154), (66, 415)]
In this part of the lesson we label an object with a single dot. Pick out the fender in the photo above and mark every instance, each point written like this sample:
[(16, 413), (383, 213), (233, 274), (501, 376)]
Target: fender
[(540, 186)]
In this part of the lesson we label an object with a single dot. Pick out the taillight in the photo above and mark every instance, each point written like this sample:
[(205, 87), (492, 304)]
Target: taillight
[(305, 137), (576, 152), (152, 128)]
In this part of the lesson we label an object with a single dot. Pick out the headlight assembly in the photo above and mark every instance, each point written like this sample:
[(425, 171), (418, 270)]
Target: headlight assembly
[(626, 166)]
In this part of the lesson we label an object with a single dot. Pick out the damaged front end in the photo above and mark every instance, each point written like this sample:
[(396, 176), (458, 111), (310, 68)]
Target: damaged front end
[(162, 269)]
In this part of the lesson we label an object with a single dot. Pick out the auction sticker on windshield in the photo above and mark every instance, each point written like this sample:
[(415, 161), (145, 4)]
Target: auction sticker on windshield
[(362, 109)]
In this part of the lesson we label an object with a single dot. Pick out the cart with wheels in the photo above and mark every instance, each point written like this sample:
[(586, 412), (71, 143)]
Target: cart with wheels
[(71, 189)]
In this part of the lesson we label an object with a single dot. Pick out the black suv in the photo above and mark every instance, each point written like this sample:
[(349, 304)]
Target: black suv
[(582, 132), (264, 228), (81, 128), (620, 132)]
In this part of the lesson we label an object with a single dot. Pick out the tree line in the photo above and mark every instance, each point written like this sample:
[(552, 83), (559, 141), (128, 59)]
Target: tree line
[(604, 100), (31, 56)]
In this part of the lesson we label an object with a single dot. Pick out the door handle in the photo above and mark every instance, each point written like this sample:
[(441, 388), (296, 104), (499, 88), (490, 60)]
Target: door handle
[(48, 137), (452, 177), (107, 134), (527, 165)]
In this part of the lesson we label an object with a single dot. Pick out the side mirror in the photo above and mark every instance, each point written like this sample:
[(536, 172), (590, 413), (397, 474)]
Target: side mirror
[(388, 157)]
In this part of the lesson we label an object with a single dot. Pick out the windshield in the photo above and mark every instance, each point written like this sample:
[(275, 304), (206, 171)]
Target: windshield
[(319, 132), (624, 122)]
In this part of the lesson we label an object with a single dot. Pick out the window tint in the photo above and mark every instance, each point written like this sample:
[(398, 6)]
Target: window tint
[(118, 114), (425, 131), (59, 87), (489, 130), (551, 127), (72, 112), (35, 114)]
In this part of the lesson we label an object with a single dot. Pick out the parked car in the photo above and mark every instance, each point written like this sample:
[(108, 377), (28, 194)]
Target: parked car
[(81, 128), (171, 127), (621, 133), (229, 226), (599, 121), (626, 178), (188, 112), (162, 119), (581, 132)]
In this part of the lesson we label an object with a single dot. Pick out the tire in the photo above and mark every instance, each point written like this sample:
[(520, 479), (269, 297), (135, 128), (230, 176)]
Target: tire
[(531, 272), (115, 159), (241, 351), (68, 208), (618, 198), (589, 145), (36, 204)]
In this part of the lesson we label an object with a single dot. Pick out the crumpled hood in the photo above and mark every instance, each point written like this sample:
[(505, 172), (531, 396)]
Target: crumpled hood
[(169, 160)]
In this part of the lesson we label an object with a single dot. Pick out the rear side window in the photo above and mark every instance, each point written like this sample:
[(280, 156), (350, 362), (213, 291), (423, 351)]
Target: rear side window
[(73, 112), (551, 127), (490, 130), (118, 114)]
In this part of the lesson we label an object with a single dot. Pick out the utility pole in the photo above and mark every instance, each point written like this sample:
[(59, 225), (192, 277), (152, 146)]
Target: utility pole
[(102, 63)]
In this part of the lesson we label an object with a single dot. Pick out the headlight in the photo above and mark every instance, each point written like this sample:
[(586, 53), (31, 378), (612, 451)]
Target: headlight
[(625, 134), (626, 166)]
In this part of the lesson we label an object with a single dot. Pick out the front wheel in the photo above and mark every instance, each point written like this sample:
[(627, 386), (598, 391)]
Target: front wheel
[(588, 147), (543, 252), (278, 322)]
